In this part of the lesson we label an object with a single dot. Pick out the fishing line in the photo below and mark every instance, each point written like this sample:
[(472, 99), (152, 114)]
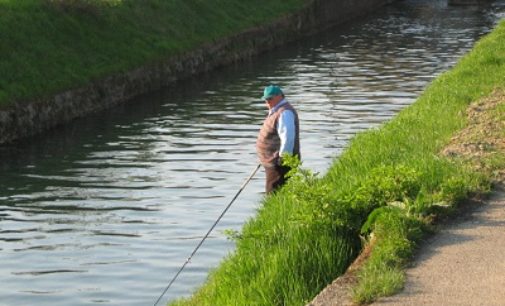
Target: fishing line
[(208, 233)]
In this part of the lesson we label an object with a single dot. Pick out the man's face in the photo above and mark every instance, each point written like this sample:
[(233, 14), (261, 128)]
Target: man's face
[(272, 101)]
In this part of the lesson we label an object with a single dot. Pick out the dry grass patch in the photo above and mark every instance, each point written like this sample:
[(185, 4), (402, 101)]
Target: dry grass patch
[(482, 142)]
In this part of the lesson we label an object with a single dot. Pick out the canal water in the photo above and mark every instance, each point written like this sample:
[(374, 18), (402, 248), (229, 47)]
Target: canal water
[(105, 210)]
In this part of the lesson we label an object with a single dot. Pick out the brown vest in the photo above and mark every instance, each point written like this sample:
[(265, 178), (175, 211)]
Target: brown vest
[(269, 143)]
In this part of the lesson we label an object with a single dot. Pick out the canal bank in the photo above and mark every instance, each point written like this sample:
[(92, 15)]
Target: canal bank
[(457, 265), (28, 116), (448, 268), (388, 188)]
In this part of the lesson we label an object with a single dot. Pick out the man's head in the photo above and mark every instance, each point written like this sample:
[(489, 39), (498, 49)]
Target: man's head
[(272, 95)]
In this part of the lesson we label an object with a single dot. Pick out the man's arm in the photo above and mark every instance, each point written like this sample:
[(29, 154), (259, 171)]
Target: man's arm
[(286, 131)]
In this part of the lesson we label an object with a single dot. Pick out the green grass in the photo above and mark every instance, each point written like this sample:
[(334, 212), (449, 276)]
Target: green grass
[(284, 256), (430, 122), (388, 184), (50, 45)]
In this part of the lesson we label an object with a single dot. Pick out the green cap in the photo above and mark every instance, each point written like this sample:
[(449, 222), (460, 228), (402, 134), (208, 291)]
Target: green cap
[(271, 91)]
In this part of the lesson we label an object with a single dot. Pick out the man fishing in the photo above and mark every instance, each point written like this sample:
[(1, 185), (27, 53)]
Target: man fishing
[(278, 136)]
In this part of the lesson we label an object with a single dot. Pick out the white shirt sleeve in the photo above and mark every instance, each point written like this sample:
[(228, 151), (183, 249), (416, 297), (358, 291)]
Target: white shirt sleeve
[(286, 131)]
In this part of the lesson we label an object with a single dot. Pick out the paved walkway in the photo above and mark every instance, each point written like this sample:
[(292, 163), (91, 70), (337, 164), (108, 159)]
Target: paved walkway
[(464, 264)]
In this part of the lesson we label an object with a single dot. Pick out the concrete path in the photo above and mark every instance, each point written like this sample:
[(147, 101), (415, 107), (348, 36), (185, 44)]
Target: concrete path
[(464, 264)]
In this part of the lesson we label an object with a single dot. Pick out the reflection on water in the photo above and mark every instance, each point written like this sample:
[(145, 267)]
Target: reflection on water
[(105, 210)]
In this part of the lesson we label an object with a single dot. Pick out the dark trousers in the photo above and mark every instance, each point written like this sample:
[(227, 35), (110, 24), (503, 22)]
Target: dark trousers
[(275, 177)]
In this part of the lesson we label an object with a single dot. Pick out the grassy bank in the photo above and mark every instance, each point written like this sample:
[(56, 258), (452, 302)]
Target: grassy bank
[(390, 181), (50, 45), (437, 115)]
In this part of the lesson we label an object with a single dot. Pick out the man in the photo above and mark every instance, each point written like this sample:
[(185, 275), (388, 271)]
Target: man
[(279, 135)]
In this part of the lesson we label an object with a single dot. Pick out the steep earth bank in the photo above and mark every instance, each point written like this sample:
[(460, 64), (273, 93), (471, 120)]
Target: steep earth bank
[(26, 118)]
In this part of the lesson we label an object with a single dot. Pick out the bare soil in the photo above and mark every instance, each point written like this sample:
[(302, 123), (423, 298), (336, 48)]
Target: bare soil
[(482, 142)]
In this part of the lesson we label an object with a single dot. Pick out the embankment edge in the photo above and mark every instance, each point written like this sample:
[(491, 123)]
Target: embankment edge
[(28, 118)]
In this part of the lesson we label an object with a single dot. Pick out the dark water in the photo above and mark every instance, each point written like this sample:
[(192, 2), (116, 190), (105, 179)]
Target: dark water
[(105, 210)]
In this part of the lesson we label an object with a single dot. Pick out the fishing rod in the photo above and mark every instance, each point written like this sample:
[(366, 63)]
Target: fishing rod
[(208, 233)]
